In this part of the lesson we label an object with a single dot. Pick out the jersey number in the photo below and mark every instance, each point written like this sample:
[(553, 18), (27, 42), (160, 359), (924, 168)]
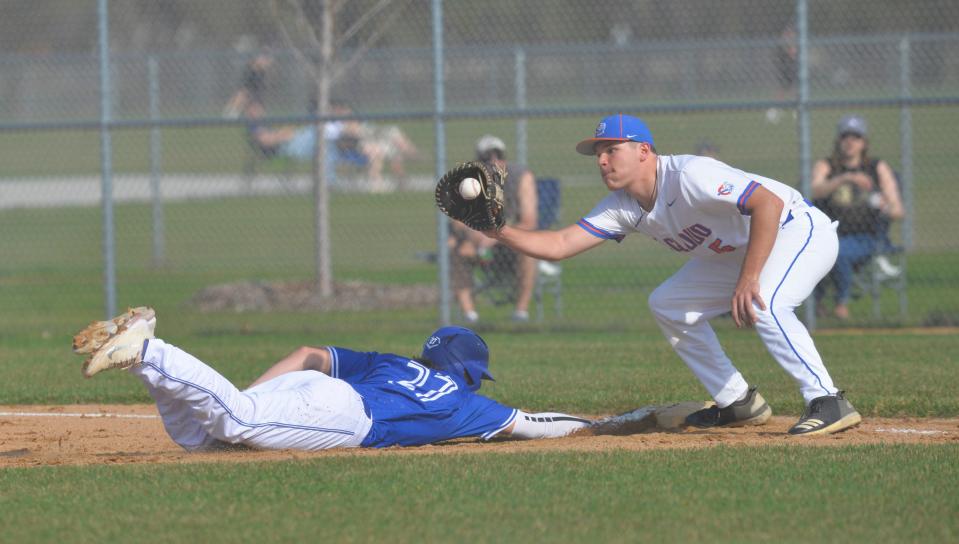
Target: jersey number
[(422, 375), (719, 248)]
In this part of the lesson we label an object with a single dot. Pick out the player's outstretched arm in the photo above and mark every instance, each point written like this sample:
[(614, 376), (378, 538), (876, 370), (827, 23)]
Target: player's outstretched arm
[(303, 358), (544, 425), (552, 245)]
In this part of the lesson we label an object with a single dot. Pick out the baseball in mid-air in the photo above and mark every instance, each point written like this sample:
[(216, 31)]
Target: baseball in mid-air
[(470, 188)]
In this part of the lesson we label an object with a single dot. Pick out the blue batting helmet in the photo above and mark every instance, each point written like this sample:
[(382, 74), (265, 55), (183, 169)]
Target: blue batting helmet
[(459, 351)]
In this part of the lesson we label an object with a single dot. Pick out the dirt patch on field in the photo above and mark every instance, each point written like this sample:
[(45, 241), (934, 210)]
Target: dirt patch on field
[(302, 295), (123, 434)]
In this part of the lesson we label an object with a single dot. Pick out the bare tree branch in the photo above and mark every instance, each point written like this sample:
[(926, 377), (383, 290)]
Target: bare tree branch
[(307, 32), (302, 21), (288, 40), (350, 32), (368, 44)]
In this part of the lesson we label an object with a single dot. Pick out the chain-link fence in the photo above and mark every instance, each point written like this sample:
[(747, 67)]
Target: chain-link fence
[(223, 199)]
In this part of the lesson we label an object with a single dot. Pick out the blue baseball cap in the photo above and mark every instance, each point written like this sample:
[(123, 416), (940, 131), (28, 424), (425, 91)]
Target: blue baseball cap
[(617, 128)]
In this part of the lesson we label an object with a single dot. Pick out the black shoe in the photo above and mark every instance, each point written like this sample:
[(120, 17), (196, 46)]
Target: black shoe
[(752, 410), (826, 415)]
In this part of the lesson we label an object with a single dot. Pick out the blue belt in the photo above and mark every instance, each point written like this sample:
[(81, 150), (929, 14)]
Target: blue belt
[(789, 216)]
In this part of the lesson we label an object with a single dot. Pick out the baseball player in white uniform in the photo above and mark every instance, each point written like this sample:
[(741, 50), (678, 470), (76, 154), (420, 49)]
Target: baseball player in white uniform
[(318, 397), (755, 246)]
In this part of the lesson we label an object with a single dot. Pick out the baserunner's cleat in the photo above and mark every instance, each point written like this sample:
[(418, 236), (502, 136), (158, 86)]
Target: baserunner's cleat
[(116, 343), (97, 333)]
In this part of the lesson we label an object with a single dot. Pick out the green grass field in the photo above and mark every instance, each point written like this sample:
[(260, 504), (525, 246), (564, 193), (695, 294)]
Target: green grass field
[(716, 495), (603, 355)]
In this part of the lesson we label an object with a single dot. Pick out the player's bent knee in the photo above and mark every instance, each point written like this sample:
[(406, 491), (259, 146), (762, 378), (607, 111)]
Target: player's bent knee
[(658, 301), (665, 308)]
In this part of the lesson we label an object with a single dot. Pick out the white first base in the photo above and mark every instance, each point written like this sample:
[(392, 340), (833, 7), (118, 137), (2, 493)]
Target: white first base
[(673, 416)]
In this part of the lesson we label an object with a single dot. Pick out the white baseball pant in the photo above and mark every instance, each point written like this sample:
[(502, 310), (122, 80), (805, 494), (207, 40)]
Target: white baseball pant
[(804, 252)]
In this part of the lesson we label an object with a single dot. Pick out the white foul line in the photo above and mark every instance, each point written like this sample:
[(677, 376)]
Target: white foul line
[(910, 431), (74, 414)]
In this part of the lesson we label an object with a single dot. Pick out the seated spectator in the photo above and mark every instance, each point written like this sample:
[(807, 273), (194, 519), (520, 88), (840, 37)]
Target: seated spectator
[(470, 248), (861, 193), (351, 141), (298, 142), (384, 145)]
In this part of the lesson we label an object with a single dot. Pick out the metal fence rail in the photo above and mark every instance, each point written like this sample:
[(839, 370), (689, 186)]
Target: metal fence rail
[(162, 136)]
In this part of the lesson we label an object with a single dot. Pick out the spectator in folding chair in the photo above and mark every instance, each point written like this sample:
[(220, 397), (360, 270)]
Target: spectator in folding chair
[(357, 144), (299, 143), (861, 192), (470, 249), (353, 143), (385, 145)]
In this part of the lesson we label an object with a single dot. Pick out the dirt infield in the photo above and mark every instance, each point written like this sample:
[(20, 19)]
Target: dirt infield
[(124, 434)]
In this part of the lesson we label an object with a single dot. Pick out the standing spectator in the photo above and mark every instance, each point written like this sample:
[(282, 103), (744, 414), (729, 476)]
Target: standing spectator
[(706, 148), (470, 248), (861, 193), (252, 92), (786, 59), (249, 102)]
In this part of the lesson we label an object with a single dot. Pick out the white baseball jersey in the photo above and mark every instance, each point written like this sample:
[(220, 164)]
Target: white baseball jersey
[(700, 210), (700, 207)]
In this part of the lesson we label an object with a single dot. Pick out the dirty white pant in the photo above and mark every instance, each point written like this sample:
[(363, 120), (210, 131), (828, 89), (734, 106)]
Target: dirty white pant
[(805, 250), (200, 409)]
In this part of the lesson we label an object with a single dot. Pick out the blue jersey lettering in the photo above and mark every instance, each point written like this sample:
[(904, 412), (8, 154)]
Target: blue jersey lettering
[(691, 237)]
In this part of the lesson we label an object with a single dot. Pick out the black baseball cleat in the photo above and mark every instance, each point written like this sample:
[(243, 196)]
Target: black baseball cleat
[(752, 410), (826, 415)]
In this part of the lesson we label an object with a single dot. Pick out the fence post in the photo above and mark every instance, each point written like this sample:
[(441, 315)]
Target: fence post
[(442, 222), (156, 197), (802, 105), (519, 58), (905, 139), (106, 162), (905, 135)]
